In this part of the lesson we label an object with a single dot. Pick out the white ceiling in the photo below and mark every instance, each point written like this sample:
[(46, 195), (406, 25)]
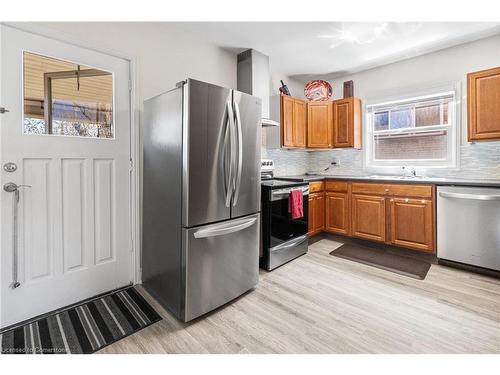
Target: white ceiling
[(307, 50)]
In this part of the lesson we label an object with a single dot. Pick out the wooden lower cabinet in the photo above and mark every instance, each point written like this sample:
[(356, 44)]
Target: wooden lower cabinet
[(337, 213), (316, 213), (411, 223), (368, 217), (397, 214)]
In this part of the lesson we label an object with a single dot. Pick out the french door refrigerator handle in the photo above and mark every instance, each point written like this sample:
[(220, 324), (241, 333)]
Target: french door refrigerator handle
[(222, 229), (228, 177), (479, 197), (11, 187), (240, 153)]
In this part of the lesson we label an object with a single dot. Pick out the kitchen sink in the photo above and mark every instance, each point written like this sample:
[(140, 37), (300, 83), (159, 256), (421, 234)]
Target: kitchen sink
[(385, 177)]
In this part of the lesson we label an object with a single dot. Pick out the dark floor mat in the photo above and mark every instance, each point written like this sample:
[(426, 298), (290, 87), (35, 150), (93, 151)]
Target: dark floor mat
[(383, 259), (84, 328)]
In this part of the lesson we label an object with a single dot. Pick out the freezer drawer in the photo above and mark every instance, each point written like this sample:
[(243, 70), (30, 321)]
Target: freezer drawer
[(468, 225), (222, 262)]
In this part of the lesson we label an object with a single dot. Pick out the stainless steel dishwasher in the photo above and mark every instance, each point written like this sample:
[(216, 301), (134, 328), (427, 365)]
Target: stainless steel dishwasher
[(468, 225)]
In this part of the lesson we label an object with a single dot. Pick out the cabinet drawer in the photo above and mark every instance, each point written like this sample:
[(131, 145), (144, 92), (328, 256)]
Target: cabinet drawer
[(420, 191), (396, 190), (339, 186), (364, 188), (316, 186)]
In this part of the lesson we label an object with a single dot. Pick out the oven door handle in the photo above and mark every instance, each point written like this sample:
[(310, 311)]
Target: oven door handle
[(280, 194), (290, 244)]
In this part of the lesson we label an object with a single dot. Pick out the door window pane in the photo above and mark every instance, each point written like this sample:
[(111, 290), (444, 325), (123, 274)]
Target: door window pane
[(63, 98)]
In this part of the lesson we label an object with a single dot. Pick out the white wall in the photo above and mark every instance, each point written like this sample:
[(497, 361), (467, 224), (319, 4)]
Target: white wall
[(163, 55), (482, 159), (296, 87)]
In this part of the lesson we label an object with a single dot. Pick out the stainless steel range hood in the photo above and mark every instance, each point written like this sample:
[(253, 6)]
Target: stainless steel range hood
[(254, 79)]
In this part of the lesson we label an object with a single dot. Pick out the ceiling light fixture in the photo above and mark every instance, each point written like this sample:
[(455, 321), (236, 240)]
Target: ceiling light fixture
[(357, 33)]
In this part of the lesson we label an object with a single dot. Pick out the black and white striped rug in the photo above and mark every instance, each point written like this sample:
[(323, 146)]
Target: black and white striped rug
[(84, 328)]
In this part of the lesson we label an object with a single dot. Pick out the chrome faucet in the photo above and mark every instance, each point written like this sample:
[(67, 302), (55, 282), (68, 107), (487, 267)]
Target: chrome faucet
[(413, 172)]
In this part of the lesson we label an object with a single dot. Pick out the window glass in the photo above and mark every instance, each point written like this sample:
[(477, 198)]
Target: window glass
[(381, 120), (63, 98), (431, 114), (412, 146), (401, 118)]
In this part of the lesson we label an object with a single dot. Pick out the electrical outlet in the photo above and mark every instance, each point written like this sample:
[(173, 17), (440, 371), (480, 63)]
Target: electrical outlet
[(335, 162)]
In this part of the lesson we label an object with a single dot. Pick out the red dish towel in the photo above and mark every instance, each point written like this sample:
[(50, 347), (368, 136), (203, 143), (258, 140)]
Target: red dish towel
[(296, 204)]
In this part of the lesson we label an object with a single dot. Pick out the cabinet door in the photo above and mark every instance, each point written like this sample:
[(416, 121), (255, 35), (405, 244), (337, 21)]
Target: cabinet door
[(412, 223), (483, 98), (368, 217), (347, 123), (299, 123), (310, 215), (319, 212), (287, 109), (319, 124), (337, 213)]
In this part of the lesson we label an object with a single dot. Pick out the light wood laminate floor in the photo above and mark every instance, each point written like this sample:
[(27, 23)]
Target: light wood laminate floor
[(323, 304)]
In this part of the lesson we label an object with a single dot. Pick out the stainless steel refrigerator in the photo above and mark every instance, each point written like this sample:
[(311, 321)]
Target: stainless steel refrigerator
[(201, 197)]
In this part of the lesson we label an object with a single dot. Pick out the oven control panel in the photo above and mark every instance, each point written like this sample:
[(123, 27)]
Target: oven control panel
[(266, 165)]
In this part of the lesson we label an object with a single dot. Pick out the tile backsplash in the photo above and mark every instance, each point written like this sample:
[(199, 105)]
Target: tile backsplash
[(477, 160), (287, 162)]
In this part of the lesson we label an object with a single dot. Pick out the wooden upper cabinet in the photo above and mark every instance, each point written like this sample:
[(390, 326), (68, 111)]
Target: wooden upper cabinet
[(368, 217), (337, 213), (299, 122), (293, 122), (483, 102), (347, 123), (319, 125), (412, 223), (287, 121)]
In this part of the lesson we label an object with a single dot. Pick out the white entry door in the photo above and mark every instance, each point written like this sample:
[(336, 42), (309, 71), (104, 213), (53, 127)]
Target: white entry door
[(65, 141)]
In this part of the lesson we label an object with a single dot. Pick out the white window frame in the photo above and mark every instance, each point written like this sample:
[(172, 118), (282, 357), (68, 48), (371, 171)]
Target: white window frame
[(389, 166)]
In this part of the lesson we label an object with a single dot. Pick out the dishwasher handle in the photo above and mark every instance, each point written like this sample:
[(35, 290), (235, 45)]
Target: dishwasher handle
[(478, 197)]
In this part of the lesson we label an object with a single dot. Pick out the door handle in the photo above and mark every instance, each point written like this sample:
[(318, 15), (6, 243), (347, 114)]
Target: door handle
[(478, 197), (11, 187), (229, 180), (222, 229), (3, 110), (240, 153)]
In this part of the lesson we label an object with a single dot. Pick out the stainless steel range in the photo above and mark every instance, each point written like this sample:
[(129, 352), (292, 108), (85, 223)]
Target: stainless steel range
[(283, 238)]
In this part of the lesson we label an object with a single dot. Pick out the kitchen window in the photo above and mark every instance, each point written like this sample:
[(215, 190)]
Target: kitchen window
[(416, 131)]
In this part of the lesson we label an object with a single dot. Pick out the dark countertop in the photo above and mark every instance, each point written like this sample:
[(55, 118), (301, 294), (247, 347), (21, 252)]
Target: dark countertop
[(416, 180)]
